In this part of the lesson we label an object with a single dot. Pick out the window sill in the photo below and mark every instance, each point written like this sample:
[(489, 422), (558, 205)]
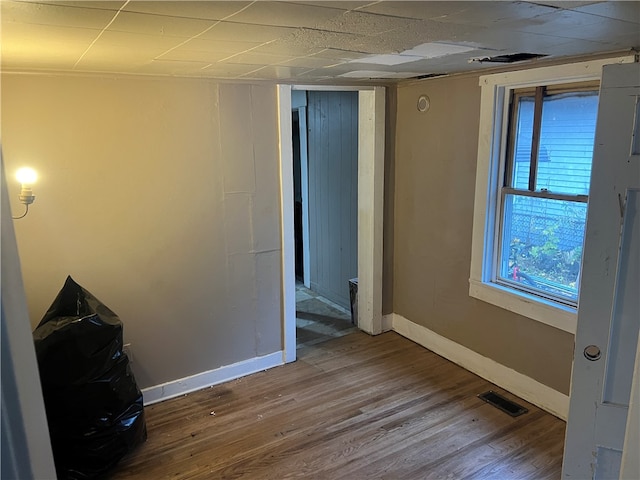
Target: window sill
[(558, 316)]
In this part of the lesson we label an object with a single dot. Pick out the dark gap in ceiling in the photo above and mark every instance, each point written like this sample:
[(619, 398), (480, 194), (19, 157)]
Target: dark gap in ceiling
[(509, 58), (428, 75)]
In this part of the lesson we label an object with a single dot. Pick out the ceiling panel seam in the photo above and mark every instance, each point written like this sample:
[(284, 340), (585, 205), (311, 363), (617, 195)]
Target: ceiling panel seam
[(99, 35), (205, 30)]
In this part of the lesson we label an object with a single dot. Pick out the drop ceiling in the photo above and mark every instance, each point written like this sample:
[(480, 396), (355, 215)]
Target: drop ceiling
[(303, 42)]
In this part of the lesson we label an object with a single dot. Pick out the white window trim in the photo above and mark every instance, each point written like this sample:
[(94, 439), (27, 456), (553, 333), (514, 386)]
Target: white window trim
[(496, 89)]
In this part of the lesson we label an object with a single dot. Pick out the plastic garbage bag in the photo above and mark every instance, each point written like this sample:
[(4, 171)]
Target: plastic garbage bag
[(94, 407)]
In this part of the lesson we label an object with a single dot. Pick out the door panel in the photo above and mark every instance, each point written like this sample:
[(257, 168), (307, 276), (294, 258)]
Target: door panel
[(624, 330), (333, 192), (609, 312)]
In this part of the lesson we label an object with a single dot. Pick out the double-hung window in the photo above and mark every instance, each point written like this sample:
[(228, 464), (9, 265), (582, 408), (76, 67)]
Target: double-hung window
[(543, 200), (537, 132)]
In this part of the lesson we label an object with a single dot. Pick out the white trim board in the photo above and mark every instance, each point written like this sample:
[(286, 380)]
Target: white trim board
[(182, 386), (525, 387), (371, 137), (387, 322), (285, 145)]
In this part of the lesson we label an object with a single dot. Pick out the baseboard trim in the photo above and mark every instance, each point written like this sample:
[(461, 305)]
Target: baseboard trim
[(387, 322), (182, 386), (525, 387)]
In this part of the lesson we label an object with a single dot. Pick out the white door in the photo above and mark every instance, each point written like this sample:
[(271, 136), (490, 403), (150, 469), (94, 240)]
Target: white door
[(609, 306)]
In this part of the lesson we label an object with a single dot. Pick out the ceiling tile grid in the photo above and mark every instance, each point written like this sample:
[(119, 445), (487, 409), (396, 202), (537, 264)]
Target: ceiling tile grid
[(314, 41)]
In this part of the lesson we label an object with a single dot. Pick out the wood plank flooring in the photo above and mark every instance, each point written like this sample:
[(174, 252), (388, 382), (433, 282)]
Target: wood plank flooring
[(352, 407)]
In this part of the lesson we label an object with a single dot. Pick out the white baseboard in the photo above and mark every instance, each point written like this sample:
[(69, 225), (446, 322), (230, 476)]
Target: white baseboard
[(531, 390), (387, 322), (202, 380)]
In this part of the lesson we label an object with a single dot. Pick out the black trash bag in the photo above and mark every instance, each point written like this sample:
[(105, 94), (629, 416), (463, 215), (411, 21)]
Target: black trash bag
[(94, 407)]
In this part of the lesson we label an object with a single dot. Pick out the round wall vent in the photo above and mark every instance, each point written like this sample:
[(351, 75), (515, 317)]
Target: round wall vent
[(423, 103)]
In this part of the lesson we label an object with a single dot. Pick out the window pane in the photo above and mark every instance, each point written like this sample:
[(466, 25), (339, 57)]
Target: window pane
[(541, 247), (566, 142), (522, 147)]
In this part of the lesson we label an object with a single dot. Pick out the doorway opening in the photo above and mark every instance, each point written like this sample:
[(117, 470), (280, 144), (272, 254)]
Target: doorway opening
[(370, 175), (325, 190)]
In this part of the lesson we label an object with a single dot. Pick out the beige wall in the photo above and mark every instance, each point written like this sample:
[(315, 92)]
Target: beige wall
[(160, 196), (435, 167)]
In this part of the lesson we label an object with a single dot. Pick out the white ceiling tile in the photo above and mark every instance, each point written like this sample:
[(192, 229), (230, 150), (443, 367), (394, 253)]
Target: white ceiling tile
[(419, 10), (627, 11), (37, 63), (513, 41), (626, 35), (209, 10), (258, 59), (313, 61), (167, 67), (117, 64), (378, 74), (436, 31), (227, 70), (64, 16), (312, 76), (579, 47), (362, 23), (319, 39), (196, 49), (113, 5), (193, 56), (150, 45), (338, 4), (437, 49), (314, 41), (556, 23), (341, 55), (576, 25), (621, 40), (117, 57), (246, 32), (276, 72), (389, 59), (492, 14), (52, 45), (286, 14), (285, 46), (159, 25)]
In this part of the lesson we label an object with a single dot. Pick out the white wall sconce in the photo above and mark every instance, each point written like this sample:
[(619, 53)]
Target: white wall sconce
[(27, 177)]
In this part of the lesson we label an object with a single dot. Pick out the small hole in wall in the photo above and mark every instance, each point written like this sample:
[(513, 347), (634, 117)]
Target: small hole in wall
[(423, 103)]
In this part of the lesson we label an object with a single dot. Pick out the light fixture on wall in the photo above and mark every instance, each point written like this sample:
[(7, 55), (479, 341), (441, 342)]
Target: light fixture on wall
[(27, 177)]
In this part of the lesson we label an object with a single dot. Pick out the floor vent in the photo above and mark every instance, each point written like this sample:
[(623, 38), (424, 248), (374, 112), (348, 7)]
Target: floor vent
[(504, 404)]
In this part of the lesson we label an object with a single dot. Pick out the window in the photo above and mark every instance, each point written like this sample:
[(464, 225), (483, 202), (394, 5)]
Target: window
[(543, 203), (537, 132)]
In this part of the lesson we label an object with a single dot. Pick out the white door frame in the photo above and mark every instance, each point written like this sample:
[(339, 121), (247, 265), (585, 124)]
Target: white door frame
[(371, 132), (304, 187), (25, 433)]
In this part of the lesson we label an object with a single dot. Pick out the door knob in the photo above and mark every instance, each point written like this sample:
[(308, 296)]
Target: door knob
[(592, 352)]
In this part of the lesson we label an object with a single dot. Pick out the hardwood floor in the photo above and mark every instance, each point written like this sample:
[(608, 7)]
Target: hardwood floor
[(352, 407)]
